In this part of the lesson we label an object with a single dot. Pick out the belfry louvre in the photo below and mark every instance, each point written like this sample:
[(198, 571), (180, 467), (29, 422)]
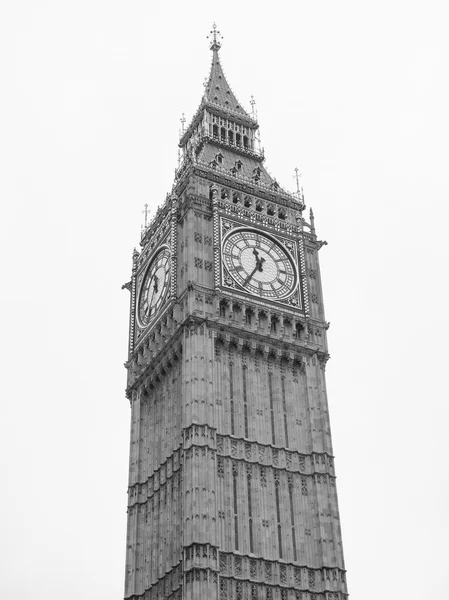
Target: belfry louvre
[(232, 492)]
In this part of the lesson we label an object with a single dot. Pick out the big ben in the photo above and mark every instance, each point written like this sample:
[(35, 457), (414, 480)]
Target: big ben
[(232, 488)]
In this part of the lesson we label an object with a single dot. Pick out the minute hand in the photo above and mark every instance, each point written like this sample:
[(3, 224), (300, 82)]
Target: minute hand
[(258, 267)]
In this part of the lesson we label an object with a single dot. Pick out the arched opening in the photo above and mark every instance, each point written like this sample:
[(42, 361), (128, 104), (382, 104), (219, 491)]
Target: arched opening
[(245, 141), (238, 139), (300, 331), (231, 137), (223, 134), (215, 130)]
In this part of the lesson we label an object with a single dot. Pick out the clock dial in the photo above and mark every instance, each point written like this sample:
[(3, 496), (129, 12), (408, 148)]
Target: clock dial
[(154, 287), (259, 264)]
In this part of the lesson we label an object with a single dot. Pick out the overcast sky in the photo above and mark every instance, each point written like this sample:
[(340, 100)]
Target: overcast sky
[(356, 96)]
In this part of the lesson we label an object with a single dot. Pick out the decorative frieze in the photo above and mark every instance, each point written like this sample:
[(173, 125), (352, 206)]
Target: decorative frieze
[(232, 588), (281, 573), (205, 575), (280, 458), (199, 435), (200, 556)]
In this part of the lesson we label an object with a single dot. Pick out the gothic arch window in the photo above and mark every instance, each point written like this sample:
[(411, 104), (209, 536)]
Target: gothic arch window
[(238, 165), (223, 308), (248, 316), (270, 210), (215, 131), (231, 137), (223, 134), (245, 141), (238, 139), (300, 331), (219, 158), (287, 325), (263, 317)]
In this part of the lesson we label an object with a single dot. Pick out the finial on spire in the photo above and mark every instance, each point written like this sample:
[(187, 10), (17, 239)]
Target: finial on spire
[(298, 175), (312, 221), (146, 212), (183, 120), (215, 37), (253, 104)]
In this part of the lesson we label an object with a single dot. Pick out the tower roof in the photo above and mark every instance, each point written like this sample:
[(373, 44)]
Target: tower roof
[(218, 90), (218, 96)]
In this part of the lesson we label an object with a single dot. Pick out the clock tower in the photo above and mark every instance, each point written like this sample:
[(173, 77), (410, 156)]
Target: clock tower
[(232, 490)]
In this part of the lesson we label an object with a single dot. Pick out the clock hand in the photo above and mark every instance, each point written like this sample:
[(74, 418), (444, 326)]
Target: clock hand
[(258, 267), (150, 301)]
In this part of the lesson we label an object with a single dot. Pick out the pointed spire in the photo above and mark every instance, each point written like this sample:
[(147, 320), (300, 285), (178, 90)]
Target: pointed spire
[(312, 221), (217, 90), (298, 175)]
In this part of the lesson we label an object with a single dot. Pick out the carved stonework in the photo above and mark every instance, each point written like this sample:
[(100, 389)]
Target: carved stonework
[(232, 491)]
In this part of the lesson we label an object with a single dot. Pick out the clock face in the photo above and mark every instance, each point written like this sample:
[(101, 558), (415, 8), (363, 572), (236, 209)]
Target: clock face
[(154, 287), (259, 264)]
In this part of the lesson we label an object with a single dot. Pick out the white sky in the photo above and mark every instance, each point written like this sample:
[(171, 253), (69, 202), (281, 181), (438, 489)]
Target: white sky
[(354, 94)]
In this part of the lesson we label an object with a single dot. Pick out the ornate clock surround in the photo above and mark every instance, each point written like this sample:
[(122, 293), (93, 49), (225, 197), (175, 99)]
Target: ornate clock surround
[(147, 256), (226, 281)]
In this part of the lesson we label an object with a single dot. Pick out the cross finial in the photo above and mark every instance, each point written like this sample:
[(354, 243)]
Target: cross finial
[(253, 103), (215, 37), (183, 120), (146, 212)]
